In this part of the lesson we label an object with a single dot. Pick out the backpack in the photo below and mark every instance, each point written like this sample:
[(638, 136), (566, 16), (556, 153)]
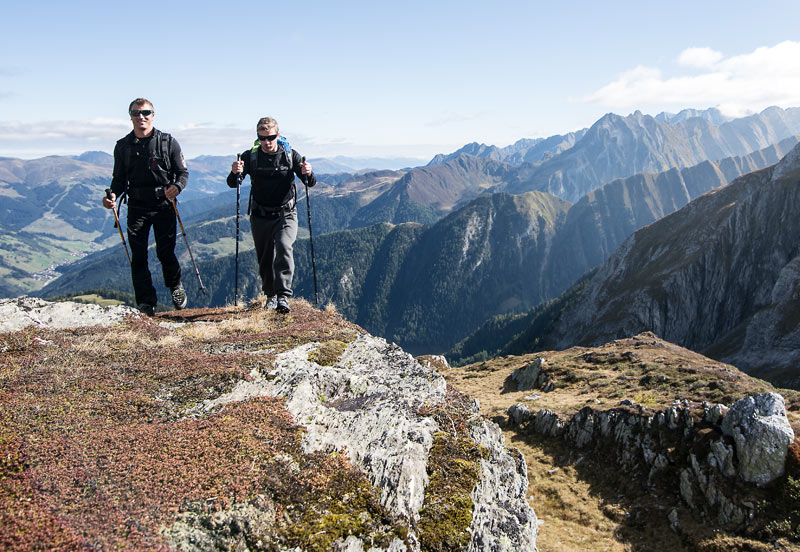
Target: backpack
[(162, 149)]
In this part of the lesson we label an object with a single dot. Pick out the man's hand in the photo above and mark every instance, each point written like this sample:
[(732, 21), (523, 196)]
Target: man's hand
[(237, 166), (108, 203), (172, 192)]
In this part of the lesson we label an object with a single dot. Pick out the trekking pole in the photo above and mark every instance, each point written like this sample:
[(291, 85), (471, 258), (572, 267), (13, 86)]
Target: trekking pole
[(310, 235), (239, 179), (197, 272), (117, 225)]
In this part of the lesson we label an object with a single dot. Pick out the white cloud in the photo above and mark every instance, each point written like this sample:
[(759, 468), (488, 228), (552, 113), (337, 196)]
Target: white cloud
[(737, 85), (74, 137), (704, 58), (31, 140), (92, 130)]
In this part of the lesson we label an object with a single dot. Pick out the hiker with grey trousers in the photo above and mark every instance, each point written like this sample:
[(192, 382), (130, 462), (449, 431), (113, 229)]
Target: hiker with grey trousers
[(272, 166)]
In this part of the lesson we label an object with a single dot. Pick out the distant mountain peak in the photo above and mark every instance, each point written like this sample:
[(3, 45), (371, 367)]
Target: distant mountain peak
[(712, 115), (96, 158)]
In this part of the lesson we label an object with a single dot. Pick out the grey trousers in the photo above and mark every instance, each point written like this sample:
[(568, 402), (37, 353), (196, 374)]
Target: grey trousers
[(274, 238)]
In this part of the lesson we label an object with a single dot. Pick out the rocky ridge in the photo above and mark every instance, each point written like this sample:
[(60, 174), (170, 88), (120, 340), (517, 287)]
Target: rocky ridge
[(383, 456), (686, 440), (19, 313)]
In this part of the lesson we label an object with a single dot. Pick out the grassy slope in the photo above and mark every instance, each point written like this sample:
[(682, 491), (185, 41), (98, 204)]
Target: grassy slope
[(591, 505)]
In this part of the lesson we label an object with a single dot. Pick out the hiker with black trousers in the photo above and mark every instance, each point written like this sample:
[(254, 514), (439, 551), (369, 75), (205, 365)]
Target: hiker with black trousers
[(272, 165), (149, 168)]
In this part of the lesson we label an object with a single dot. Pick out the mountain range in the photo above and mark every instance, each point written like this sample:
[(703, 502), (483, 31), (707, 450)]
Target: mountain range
[(618, 147), (416, 284), (720, 276)]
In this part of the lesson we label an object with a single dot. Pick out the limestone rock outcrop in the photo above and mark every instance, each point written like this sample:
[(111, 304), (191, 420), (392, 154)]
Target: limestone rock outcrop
[(705, 449), (368, 405)]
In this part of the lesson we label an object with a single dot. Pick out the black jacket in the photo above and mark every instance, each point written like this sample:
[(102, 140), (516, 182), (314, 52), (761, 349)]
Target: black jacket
[(143, 177), (272, 185)]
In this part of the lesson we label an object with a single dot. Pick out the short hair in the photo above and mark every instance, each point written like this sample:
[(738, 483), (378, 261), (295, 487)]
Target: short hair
[(266, 123), (140, 101)]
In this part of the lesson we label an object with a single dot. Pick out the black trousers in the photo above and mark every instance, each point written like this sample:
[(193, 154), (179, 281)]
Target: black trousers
[(162, 220)]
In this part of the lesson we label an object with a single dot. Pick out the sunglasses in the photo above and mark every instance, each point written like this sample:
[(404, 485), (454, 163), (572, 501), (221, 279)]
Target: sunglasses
[(269, 138), (142, 112)]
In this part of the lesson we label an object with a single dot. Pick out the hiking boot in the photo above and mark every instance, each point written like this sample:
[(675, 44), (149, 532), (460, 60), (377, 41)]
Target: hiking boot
[(272, 302), (179, 297), (283, 305), (149, 310)]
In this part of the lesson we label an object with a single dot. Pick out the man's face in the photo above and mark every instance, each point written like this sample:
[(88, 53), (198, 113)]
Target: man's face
[(269, 139), (142, 119)]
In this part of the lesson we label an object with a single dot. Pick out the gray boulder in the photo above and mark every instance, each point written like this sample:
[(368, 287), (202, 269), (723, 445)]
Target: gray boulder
[(532, 376), (762, 435), (19, 313)]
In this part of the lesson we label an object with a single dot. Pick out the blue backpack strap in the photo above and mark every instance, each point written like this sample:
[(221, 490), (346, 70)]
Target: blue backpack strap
[(283, 143), (287, 149)]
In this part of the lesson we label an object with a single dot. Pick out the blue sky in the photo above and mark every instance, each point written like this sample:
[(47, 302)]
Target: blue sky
[(385, 79)]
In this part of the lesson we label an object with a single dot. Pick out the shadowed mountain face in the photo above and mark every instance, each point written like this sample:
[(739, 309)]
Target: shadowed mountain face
[(597, 224), (720, 276), (484, 258), (417, 285)]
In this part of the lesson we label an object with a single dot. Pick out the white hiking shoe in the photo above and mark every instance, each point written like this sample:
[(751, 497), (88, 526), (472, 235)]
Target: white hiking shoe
[(283, 305), (179, 297)]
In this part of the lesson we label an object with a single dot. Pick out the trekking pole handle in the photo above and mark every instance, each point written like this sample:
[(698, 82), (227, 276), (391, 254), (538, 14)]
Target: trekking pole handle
[(304, 177), (240, 176)]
